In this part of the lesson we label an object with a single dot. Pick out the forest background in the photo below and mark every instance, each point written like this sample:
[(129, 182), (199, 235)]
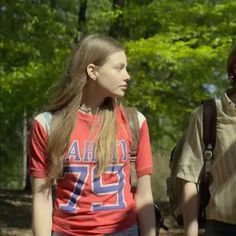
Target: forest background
[(177, 51)]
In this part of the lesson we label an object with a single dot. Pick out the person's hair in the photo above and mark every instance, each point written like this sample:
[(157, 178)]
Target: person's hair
[(93, 49), (231, 64)]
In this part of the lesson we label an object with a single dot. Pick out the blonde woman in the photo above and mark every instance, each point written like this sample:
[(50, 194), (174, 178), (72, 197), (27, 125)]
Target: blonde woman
[(82, 142)]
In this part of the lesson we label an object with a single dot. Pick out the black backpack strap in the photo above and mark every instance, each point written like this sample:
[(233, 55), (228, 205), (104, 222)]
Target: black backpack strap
[(209, 131), (209, 139)]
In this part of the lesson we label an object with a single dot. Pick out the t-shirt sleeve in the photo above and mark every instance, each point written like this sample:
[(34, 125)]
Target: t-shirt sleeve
[(191, 160), (37, 150), (144, 155)]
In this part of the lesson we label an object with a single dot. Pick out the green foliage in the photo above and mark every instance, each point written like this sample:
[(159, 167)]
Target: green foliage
[(169, 78), (177, 54), (35, 41), (100, 16), (176, 59)]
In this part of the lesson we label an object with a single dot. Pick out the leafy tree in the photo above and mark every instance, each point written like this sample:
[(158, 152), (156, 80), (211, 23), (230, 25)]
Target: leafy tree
[(35, 40), (176, 49), (177, 55)]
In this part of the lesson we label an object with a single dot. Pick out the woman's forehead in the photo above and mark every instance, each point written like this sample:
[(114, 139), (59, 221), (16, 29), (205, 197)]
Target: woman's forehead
[(117, 57)]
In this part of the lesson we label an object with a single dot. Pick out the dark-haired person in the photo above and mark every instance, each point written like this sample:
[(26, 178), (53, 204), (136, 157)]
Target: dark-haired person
[(83, 142), (220, 212)]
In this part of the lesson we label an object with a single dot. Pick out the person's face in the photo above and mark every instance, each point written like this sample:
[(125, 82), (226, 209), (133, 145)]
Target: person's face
[(112, 77)]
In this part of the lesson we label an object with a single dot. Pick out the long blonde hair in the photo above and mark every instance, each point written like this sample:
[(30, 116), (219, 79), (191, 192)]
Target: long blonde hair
[(94, 49)]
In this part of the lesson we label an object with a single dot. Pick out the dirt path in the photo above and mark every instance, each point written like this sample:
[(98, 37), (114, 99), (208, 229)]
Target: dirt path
[(15, 215)]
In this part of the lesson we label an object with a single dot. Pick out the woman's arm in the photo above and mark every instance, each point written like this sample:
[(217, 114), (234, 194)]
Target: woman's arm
[(145, 209), (42, 209), (190, 208)]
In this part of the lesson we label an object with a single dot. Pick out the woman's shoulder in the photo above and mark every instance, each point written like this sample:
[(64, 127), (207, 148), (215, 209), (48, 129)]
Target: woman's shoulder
[(141, 118), (133, 111), (44, 119)]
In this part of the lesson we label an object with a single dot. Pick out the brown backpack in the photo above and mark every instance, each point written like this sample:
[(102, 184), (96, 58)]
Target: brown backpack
[(132, 117)]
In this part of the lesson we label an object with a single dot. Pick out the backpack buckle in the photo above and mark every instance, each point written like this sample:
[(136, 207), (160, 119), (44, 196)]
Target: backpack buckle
[(208, 155), (208, 158)]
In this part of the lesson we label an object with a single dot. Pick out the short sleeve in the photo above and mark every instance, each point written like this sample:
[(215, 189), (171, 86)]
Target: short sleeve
[(144, 155), (191, 160), (37, 150)]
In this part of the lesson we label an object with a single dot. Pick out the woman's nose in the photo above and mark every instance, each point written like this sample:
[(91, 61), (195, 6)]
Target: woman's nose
[(127, 76)]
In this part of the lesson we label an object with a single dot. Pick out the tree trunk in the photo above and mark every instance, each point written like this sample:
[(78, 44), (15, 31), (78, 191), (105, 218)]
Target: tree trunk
[(24, 154), (116, 27), (82, 19)]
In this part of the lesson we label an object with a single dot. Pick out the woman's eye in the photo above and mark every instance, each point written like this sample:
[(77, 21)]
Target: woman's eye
[(120, 66)]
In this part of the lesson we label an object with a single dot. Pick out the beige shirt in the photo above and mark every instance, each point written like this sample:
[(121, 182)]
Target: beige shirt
[(222, 205)]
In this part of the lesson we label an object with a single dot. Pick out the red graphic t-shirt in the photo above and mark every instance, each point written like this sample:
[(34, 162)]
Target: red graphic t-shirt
[(87, 204)]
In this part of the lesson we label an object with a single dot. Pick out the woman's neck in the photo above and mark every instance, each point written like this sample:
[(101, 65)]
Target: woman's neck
[(91, 99), (87, 109)]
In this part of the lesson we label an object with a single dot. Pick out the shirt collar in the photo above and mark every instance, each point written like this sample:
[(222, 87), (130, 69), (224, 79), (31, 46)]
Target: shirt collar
[(228, 105)]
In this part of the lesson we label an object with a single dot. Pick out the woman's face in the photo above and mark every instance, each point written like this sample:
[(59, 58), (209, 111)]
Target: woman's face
[(112, 77)]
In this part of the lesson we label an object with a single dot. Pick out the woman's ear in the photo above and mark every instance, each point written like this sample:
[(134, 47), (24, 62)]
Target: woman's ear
[(91, 71)]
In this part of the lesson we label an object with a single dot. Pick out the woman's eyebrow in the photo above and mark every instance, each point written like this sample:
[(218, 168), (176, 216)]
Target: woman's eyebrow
[(120, 64)]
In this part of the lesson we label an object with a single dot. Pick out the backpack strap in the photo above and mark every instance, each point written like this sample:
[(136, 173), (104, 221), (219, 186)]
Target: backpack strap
[(209, 132), (132, 117), (209, 139)]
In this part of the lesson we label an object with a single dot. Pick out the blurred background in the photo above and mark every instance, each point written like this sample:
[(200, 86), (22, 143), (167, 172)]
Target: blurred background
[(177, 51)]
